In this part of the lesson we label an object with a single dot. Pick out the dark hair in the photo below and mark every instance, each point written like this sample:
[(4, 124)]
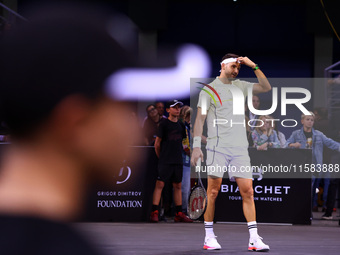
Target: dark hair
[(148, 107), (63, 50), (229, 55), (322, 112)]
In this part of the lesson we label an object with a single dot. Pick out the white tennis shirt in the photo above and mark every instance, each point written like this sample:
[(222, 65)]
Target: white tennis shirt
[(224, 128)]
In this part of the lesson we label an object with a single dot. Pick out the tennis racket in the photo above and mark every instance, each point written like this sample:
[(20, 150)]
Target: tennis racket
[(198, 199)]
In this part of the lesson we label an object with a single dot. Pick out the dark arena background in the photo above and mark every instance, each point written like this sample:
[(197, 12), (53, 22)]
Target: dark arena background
[(296, 44)]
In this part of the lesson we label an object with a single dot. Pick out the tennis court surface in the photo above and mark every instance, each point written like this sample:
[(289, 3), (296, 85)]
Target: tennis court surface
[(322, 237)]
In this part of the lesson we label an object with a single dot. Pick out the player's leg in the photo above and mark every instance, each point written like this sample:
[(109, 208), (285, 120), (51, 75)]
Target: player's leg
[(177, 185), (214, 185), (210, 242), (242, 174), (214, 161), (246, 190)]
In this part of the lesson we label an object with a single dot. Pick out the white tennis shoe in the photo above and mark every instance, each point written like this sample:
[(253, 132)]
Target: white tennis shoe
[(210, 243), (257, 245)]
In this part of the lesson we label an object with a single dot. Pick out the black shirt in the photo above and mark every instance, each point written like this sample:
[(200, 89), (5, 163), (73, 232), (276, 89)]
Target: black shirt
[(35, 236), (172, 134), (308, 134)]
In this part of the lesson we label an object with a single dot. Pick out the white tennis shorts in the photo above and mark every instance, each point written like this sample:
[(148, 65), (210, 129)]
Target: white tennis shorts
[(232, 160)]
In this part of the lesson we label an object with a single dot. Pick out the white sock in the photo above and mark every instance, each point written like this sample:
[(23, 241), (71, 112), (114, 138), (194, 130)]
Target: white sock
[(209, 230), (252, 226)]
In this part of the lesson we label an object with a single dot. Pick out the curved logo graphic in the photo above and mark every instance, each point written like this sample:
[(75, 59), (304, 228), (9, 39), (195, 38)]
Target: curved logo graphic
[(211, 95), (124, 171)]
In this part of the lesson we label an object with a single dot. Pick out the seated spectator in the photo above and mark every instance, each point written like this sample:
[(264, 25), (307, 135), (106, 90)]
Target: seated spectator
[(264, 136), (280, 136), (151, 125), (308, 137)]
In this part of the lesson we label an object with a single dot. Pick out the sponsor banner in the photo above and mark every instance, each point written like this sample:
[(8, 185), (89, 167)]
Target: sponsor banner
[(129, 197), (277, 200)]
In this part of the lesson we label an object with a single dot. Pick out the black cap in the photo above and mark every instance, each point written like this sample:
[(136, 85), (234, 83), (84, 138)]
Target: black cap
[(173, 103)]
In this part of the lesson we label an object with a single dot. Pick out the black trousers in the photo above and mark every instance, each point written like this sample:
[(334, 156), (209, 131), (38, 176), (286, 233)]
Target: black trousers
[(333, 186)]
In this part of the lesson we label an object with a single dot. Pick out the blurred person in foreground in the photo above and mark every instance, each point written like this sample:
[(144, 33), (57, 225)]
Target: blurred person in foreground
[(67, 131)]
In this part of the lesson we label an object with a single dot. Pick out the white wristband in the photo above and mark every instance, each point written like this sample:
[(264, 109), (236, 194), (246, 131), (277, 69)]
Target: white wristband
[(196, 142)]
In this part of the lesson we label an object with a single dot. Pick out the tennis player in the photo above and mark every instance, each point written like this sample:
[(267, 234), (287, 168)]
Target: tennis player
[(227, 144)]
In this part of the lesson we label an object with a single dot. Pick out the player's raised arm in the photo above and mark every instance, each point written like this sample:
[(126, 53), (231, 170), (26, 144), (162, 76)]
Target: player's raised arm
[(263, 85), (198, 131)]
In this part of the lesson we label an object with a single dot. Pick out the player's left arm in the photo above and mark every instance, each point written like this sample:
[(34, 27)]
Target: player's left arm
[(263, 85)]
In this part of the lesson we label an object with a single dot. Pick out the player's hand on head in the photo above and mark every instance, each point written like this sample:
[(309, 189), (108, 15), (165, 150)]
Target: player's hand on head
[(246, 61), (196, 154)]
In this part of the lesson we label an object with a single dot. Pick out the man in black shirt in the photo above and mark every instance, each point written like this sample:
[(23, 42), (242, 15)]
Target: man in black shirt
[(168, 147)]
